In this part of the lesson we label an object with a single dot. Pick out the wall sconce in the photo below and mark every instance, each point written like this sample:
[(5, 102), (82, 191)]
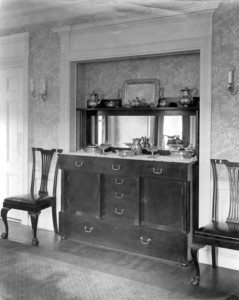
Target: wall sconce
[(232, 89), (43, 92)]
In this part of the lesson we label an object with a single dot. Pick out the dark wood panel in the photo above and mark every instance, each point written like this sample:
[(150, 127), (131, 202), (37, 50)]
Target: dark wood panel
[(83, 192), (159, 111), (162, 202)]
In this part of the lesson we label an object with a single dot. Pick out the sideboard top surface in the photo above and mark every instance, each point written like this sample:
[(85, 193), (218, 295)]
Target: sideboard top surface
[(144, 157)]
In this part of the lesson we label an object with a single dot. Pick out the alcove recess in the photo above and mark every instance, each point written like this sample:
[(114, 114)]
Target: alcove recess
[(107, 77), (137, 37)]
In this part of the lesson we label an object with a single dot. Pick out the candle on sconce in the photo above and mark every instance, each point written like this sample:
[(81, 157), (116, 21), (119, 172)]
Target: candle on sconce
[(32, 85), (229, 76), (232, 88), (92, 130), (43, 85)]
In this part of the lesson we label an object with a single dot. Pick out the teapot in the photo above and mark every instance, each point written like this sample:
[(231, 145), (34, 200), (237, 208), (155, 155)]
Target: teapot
[(173, 139), (93, 101), (136, 147), (112, 103), (191, 150), (144, 142), (162, 102), (135, 103), (187, 97)]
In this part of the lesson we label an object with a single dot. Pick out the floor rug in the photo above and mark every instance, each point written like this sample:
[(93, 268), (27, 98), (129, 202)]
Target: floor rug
[(25, 276)]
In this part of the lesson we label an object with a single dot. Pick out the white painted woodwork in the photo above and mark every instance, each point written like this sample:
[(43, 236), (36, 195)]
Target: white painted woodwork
[(13, 118)]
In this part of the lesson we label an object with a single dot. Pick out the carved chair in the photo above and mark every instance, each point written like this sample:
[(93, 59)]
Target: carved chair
[(217, 233), (33, 203)]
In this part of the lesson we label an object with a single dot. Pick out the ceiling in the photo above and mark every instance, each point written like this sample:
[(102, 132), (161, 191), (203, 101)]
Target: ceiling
[(92, 9)]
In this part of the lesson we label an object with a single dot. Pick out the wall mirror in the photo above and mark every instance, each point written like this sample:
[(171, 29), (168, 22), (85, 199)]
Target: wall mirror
[(145, 90), (120, 130)]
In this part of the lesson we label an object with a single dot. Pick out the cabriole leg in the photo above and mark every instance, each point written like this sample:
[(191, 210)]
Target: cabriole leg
[(183, 251), (4, 212), (34, 220), (194, 251), (214, 263), (54, 218)]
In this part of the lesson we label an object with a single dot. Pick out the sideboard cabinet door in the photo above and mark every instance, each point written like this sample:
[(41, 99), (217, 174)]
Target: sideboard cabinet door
[(80, 181), (162, 203), (83, 193)]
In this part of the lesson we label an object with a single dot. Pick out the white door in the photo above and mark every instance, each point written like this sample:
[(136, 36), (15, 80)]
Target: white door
[(11, 135)]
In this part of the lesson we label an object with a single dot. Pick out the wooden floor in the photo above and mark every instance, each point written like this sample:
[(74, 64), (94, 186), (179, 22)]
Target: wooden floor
[(215, 284)]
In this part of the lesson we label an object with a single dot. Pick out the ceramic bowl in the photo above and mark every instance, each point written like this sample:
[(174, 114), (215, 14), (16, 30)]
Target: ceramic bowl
[(181, 154), (124, 153), (92, 149)]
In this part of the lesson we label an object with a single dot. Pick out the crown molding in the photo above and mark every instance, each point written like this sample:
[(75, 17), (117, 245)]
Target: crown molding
[(38, 15), (68, 11), (39, 10), (14, 38), (169, 16)]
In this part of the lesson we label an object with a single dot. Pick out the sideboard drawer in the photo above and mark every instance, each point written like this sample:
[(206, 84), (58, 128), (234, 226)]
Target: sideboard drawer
[(119, 189), (120, 197), (160, 169), (118, 166), (119, 212), (115, 182), (87, 229), (78, 163), (157, 243)]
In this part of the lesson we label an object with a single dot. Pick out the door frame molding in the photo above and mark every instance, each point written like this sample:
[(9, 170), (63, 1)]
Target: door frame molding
[(130, 38), (14, 51)]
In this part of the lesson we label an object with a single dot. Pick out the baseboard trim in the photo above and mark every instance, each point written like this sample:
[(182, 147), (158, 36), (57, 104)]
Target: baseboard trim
[(13, 219), (226, 258)]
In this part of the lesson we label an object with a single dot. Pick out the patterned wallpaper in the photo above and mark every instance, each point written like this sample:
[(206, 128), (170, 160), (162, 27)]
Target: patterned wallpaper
[(173, 71), (44, 62), (225, 108)]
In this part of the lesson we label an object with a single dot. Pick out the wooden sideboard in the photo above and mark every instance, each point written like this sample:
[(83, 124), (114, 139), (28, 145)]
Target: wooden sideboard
[(133, 204)]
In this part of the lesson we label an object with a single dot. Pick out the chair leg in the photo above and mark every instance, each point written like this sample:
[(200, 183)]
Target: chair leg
[(34, 219), (54, 217), (4, 212), (214, 264), (194, 251)]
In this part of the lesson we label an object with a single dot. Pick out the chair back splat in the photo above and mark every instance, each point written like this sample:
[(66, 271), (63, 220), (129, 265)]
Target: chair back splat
[(218, 233), (46, 157), (233, 171), (33, 202)]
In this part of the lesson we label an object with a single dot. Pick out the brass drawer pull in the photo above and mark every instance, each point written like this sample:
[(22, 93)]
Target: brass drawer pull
[(119, 196), (119, 212), (116, 167), (79, 165), (88, 231), (158, 172), (117, 181), (148, 241)]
